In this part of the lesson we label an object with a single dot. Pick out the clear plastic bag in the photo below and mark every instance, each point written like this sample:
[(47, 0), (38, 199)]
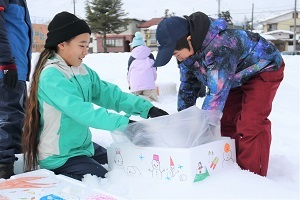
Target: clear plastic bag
[(188, 128)]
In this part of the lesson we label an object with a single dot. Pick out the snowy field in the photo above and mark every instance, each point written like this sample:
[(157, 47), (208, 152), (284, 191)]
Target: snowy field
[(282, 181)]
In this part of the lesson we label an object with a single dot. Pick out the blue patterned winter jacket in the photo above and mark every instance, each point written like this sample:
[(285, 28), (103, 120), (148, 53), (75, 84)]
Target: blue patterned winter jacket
[(227, 59)]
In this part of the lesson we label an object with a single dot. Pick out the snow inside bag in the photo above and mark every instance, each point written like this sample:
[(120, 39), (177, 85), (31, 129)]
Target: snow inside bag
[(188, 128)]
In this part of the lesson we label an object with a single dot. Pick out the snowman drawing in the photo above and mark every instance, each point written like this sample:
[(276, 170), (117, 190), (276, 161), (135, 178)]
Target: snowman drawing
[(118, 159), (156, 171), (200, 168), (172, 168), (227, 156)]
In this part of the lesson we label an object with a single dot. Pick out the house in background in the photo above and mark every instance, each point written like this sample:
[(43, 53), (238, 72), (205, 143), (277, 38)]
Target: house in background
[(39, 37), (282, 39), (118, 42), (148, 30), (281, 28), (115, 42)]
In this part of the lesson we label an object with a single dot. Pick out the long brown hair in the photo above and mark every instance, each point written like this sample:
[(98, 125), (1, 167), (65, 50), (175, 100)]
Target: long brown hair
[(32, 117)]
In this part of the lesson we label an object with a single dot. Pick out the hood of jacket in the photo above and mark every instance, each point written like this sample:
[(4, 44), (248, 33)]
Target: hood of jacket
[(216, 26), (141, 52), (204, 29), (199, 25)]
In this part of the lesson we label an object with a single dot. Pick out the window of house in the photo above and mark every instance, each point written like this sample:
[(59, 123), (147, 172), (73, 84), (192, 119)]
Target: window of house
[(152, 37), (272, 27), (296, 15), (114, 42), (297, 29), (119, 42)]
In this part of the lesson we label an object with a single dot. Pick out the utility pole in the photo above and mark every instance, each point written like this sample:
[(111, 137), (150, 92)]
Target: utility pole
[(295, 15), (252, 17), (74, 1), (219, 12)]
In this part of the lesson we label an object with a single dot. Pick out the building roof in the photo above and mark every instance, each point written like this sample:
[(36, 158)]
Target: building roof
[(268, 37), (277, 16), (151, 22), (279, 31), (154, 27)]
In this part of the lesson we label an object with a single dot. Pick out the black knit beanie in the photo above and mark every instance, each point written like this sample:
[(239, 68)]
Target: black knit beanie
[(63, 27)]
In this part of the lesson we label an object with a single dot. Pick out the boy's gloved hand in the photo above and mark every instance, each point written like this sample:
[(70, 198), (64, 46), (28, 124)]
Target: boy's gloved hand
[(10, 75), (156, 112)]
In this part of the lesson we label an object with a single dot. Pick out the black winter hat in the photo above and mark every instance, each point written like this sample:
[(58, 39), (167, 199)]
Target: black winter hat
[(63, 27)]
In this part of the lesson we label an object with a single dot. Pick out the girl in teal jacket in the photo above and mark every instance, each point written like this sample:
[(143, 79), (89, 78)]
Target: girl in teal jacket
[(61, 108)]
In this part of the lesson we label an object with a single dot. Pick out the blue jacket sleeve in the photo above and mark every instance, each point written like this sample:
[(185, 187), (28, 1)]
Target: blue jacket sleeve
[(188, 89), (220, 75), (6, 56)]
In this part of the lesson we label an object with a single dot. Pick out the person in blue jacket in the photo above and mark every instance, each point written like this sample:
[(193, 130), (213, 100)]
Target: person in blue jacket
[(61, 109), (242, 72), (15, 62)]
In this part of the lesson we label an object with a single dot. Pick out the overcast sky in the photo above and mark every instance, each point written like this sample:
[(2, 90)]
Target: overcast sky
[(141, 9)]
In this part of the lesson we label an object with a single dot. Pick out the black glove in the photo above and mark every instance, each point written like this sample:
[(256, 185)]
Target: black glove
[(156, 112), (131, 121), (10, 75), (202, 91)]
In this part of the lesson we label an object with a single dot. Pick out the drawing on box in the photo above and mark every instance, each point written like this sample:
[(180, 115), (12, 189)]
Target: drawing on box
[(156, 171), (51, 196), (183, 177), (214, 163), (133, 170), (202, 173), (210, 156), (24, 182), (173, 170), (100, 197), (141, 157), (118, 159), (200, 168), (29, 187), (227, 156)]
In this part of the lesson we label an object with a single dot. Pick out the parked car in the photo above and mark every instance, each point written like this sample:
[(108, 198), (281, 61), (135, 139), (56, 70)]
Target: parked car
[(290, 53)]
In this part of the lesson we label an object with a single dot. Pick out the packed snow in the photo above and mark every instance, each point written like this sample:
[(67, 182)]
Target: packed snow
[(282, 181)]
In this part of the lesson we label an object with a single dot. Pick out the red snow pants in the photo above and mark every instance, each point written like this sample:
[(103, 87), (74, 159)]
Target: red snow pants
[(245, 119)]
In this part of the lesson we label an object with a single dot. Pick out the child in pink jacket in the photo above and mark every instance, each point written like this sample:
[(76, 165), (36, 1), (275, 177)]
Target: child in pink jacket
[(141, 72)]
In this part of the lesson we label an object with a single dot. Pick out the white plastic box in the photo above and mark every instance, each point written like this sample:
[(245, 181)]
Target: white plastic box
[(185, 165), (44, 185)]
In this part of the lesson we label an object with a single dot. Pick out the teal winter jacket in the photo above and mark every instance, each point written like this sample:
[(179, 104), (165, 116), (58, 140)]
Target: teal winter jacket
[(73, 99)]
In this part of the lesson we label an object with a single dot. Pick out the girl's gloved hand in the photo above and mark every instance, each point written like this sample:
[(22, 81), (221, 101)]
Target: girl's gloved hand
[(156, 112), (131, 121)]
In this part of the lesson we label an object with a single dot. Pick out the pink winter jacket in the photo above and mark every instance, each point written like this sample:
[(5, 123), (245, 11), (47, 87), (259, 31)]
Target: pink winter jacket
[(141, 74)]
